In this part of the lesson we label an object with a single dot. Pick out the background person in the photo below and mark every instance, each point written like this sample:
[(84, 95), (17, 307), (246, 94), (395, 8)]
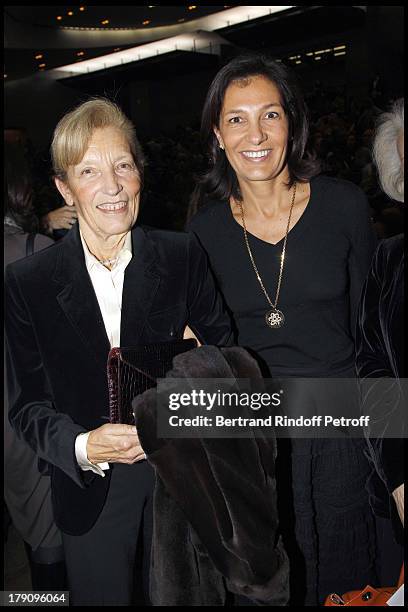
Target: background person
[(380, 351), (104, 284), (290, 251), (27, 490)]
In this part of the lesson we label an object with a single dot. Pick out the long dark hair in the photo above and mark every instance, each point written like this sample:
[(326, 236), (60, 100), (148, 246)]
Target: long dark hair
[(18, 189), (220, 181)]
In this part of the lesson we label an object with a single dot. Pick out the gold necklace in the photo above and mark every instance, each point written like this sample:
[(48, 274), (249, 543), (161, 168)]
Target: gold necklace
[(274, 318)]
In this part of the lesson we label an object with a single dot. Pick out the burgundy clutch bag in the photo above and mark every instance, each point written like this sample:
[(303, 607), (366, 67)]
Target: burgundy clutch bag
[(133, 370)]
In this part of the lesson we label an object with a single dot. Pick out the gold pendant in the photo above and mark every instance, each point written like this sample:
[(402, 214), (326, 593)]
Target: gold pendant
[(274, 318)]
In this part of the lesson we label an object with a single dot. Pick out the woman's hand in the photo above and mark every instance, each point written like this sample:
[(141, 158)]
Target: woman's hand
[(398, 495), (114, 444), (60, 218), (188, 333)]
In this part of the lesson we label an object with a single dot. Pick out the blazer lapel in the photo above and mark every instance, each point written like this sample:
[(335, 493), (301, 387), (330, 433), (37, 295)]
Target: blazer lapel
[(77, 297), (141, 282)]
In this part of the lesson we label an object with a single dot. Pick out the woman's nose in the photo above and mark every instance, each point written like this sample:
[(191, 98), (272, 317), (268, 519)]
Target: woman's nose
[(112, 184), (255, 133)]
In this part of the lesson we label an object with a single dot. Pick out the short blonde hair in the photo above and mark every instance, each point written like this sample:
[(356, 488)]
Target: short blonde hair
[(385, 152), (74, 130)]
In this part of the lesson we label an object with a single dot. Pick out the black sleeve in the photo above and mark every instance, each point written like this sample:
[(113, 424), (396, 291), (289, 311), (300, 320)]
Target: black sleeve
[(208, 317), (363, 243), (32, 413), (382, 399)]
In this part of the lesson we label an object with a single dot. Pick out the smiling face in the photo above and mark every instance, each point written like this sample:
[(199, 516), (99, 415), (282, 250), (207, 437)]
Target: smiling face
[(253, 129), (104, 186)]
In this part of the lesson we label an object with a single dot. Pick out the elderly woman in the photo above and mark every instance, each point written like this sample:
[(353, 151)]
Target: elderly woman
[(290, 251), (380, 350), (107, 283)]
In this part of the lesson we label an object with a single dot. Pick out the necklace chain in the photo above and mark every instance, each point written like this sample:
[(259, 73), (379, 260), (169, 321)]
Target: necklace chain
[(108, 262), (272, 304)]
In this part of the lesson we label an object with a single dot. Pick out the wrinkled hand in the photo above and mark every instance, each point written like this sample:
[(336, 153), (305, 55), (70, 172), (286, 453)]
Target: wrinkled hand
[(60, 218), (398, 495), (114, 444)]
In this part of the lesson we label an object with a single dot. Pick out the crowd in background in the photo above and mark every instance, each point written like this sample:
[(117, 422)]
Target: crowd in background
[(341, 132)]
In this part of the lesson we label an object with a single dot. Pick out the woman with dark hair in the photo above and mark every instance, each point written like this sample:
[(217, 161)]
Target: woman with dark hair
[(290, 250), (27, 491)]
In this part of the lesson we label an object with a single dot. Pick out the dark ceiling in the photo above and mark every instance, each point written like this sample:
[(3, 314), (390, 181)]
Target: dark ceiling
[(117, 16), (42, 21), (294, 28)]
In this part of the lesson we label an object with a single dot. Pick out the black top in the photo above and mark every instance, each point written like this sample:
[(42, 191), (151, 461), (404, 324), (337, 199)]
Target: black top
[(380, 353), (328, 254)]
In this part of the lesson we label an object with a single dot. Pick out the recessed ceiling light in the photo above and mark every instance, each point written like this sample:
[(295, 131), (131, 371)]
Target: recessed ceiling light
[(105, 22), (41, 65), (191, 8), (39, 56), (146, 22), (81, 8), (5, 76), (59, 18), (80, 53), (117, 49), (70, 13), (180, 20)]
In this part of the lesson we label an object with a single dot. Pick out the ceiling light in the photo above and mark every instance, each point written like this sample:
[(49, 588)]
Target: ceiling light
[(70, 13), (39, 56), (5, 76), (105, 22), (317, 57), (340, 47), (59, 18), (81, 8), (80, 53), (340, 53), (298, 62), (41, 65), (146, 22), (192, 42), (117, 49), (191, 8), (181, 20)]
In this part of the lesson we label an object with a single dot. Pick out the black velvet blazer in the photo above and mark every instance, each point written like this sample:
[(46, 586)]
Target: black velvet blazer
[(380, 353), (57, 347)]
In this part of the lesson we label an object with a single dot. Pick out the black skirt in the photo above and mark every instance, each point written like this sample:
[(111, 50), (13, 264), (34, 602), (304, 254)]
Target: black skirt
[(326, 521)]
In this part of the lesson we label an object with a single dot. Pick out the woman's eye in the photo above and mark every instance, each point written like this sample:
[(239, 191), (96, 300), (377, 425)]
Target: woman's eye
[(235, 120), (272, 115), (87, 171)]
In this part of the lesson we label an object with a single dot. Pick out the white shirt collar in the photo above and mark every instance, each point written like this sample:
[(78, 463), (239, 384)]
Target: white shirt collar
[(125, 255)]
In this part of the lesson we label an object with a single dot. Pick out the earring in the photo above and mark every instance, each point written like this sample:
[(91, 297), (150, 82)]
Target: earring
[(221, 146)]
